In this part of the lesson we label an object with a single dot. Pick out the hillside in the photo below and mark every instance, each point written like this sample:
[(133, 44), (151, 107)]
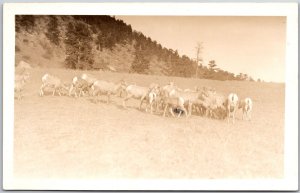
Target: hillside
[(74, 138), (102, 43)]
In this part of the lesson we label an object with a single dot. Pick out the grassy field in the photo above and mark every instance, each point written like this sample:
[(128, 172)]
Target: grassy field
[(64, 137)]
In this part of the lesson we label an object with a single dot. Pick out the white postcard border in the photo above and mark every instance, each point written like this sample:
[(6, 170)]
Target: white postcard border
[(290, 180)]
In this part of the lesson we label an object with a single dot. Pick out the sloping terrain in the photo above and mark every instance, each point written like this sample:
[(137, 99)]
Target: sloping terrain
[(65, 137)]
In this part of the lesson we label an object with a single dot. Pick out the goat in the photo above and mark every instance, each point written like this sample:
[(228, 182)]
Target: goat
[(231, 105), (108, 88), (246, 106), (52, 82)]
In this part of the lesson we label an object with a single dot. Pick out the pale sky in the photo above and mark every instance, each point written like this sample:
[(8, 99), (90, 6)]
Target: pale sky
[(252, 45)]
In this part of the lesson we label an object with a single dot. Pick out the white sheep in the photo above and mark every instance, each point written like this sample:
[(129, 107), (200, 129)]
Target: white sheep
[(101, 87), (52, 82), (152, 97), (78, 85), (231, 105), (188, 96), (20, 81), (137, 92), (165, 92), (246, 105), (89, 78), (174, 103)]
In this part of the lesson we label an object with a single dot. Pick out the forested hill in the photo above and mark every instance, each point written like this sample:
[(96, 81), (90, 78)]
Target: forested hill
[(102, 42)]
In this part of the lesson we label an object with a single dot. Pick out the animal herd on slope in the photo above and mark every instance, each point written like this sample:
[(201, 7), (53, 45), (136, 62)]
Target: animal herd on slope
[(168, 98)]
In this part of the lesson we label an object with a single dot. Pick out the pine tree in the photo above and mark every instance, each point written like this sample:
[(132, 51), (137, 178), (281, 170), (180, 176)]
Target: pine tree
[(141, 63), (79, 46), (52, 30)]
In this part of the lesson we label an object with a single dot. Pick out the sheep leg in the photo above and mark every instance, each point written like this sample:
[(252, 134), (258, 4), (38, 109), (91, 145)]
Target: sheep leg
[(228, 116), (244, 113), (156, 106), (147, 107), (126, 99), (74, 89), (166, 106), (207, 112), (171, 111), (190, 108), (80, 91), (94, 96), (185, 112), (42, 90), (179, 114), (71, 89), (203, 110), (142, 101), (120, 93), (151, 107), (59, 91)]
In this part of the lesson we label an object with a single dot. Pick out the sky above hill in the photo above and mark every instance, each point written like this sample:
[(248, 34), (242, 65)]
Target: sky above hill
[(252, 45)]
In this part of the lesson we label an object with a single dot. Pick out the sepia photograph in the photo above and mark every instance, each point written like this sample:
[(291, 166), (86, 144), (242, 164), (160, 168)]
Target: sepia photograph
[(119, 96)]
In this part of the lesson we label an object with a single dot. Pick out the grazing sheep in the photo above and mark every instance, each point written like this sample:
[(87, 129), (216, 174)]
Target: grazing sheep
[(168, 88), (211, 104), (52, 82), (78, 85), (107, 88), (20, 81), (137, 92), (152, 98), (174, 103), (89, 78), (246, 106), (231, 105), (188, 96)]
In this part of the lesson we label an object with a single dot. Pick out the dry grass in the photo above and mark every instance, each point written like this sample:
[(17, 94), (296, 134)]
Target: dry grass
[(63, 137)]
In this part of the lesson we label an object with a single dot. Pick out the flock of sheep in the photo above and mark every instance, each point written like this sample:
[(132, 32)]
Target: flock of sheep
[(168, 99)]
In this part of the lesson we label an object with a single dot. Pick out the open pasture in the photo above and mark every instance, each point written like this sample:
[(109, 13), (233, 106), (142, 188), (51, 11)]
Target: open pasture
[(66, 137)]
